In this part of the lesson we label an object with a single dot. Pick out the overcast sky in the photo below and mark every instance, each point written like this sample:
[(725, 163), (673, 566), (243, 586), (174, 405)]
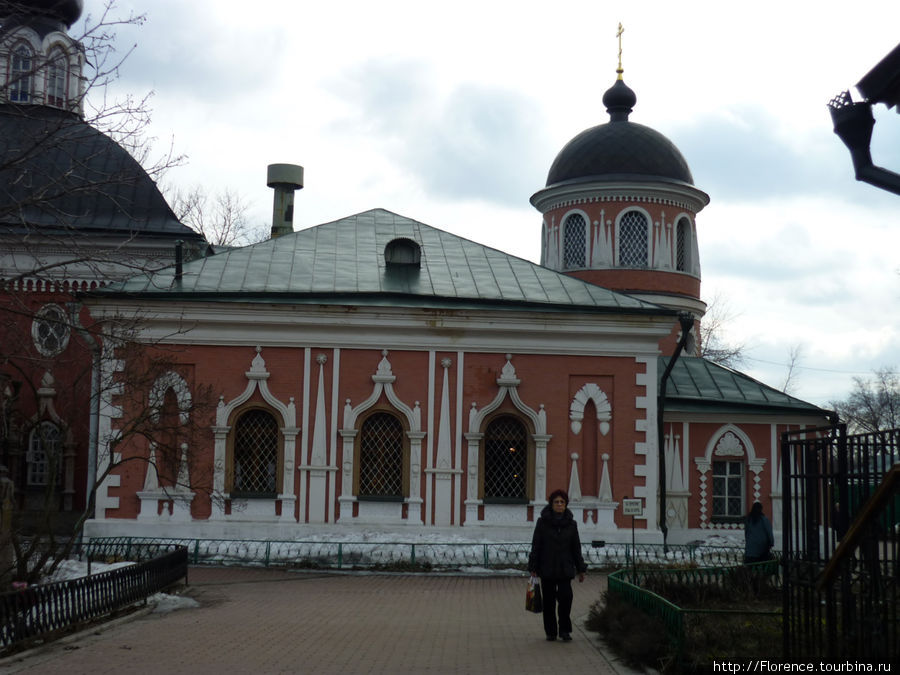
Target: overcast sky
[(451, 114)]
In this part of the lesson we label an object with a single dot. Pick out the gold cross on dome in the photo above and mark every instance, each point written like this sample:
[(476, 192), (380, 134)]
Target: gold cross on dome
[(619, 35)]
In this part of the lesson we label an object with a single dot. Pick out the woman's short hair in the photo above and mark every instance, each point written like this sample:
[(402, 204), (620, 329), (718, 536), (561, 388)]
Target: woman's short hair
[(559, 493)]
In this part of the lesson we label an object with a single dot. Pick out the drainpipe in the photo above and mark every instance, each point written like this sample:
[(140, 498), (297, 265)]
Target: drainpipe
[(686, 319), (94, 429), (179, 260)]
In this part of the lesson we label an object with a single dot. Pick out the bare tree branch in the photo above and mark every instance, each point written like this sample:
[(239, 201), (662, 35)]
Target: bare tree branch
[(714, 345)]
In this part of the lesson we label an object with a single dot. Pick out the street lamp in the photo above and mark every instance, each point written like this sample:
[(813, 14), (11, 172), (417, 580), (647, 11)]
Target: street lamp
[(853, 120)]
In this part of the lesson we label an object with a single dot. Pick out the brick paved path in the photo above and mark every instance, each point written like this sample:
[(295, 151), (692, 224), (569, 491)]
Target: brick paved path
[(262, 621)]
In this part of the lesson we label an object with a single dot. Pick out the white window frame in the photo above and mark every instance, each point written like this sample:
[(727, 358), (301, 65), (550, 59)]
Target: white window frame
[(620, 236)]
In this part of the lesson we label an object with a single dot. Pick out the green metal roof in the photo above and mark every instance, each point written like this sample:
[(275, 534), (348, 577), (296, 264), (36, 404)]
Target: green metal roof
[(696, 384), (343, 261)]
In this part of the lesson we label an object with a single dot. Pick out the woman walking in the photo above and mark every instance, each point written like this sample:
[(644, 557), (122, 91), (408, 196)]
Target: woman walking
[(758, 537), (556, 558)]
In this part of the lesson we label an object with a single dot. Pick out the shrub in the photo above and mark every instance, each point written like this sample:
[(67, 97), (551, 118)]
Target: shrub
[(636, 637)]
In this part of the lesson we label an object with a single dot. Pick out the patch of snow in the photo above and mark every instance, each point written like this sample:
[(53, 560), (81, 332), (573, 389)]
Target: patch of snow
[(75, 569), (163, 602)]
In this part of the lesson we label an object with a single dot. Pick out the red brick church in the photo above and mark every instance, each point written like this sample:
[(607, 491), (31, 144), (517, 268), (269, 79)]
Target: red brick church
[(377, 371)]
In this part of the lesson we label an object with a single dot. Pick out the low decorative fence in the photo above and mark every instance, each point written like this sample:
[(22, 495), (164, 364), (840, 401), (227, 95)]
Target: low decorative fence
[(347, 555), (631, 584), (37, 612)]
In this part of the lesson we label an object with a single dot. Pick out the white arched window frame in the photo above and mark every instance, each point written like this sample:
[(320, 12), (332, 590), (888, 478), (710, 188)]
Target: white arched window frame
[(633, 238), (226, 413), (354, 416), (575, 240), (684, 237), (57, 77), (21, 73), (728, 450)]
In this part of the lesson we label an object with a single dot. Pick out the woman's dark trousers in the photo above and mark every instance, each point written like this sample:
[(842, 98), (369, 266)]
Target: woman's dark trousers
[(557, 592)]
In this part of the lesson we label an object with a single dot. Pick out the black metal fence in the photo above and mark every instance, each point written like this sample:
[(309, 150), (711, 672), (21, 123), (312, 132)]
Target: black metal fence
[(409, 556), (827, 478), (37, 612)]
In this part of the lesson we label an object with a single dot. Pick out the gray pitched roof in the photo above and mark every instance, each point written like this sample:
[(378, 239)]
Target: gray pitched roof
[(344, 261), (696, 384)]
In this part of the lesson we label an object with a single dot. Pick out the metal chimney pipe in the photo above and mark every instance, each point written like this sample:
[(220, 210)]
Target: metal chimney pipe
[(285, 179)]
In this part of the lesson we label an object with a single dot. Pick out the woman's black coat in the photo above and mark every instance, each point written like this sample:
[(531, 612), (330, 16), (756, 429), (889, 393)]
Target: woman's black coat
[(556, 547)]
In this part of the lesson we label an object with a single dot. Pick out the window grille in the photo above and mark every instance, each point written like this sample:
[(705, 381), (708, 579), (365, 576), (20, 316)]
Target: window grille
[(255, 454), (574, 246), (728, 491), (50, 330), (505, 459), (682, 247), (633, 242), (20, 79), (56, 79), (381, 457), (44, 456)]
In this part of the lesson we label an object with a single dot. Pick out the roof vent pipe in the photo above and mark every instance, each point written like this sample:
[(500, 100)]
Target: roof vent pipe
[(285, 179)]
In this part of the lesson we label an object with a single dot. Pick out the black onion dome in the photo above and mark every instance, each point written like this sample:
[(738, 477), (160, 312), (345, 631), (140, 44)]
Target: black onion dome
[(60, 174), (619, 149), (66, 12)]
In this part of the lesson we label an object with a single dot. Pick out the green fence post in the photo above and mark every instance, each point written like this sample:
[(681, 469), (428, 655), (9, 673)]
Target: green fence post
[(486, 555), (268, 553), (340, 554), (196, 551), (412, 554), (128, 550)]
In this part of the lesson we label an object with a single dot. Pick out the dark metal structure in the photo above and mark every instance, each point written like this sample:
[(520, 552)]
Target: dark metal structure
[(841, 512), (853, 121), (39, 612)]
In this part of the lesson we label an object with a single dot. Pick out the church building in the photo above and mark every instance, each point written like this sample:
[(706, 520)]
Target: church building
[(376, 371)]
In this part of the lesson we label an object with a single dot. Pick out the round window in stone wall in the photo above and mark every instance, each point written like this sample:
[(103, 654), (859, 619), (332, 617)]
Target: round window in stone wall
[(50, 330)]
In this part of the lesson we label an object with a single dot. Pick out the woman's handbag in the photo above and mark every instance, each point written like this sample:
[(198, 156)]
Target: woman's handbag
[(533, 600)]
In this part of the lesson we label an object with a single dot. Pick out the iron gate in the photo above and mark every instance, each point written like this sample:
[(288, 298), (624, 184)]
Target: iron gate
[(845, 606)]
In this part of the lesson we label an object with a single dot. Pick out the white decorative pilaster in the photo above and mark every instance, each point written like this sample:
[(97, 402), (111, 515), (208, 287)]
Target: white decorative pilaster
[(443, 470), (414, 512), (472, 500), (574, 482), (318, 468)]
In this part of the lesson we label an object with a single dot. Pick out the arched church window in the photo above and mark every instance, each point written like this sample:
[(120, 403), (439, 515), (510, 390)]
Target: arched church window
[(57, 78), (381, 457), (633, 240), (50, 330), (574, 241), (683, 246), (505, 460), (255, 454), (44, 454), (21, 74), (728, 491)]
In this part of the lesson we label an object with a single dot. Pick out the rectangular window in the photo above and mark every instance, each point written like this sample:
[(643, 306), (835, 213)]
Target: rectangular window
[(728, 491)]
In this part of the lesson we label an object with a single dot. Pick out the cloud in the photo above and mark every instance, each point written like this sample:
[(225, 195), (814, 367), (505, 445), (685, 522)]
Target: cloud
[(472, 142), (755, 155)]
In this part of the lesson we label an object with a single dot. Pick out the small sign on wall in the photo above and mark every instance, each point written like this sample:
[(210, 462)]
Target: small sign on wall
[(632, 507)]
